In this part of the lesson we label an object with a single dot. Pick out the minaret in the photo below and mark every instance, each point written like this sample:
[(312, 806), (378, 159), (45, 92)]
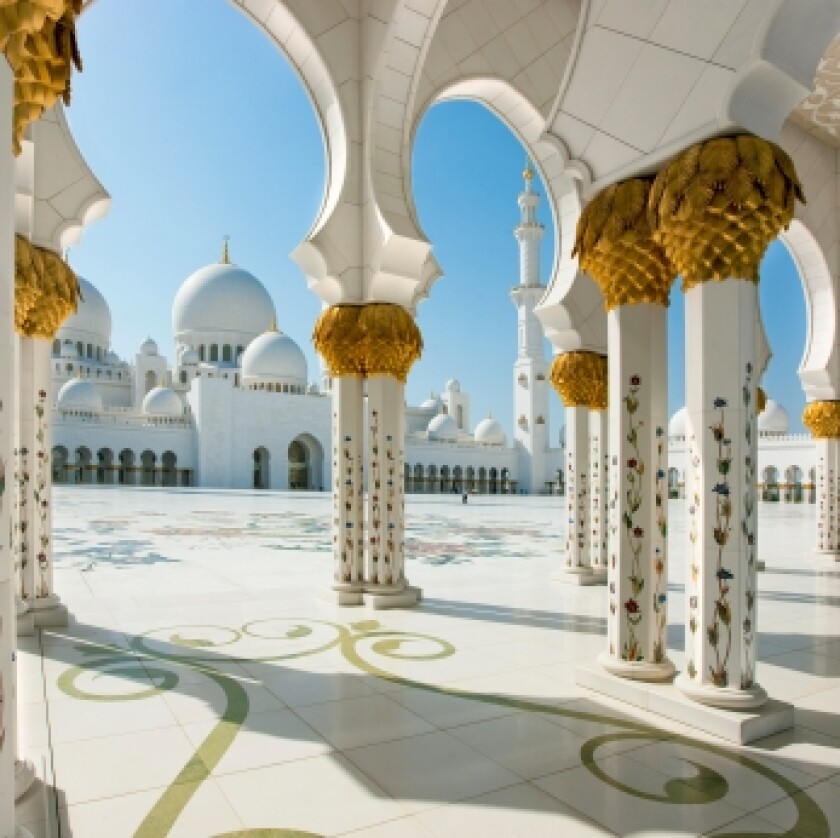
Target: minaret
[(530, 392)]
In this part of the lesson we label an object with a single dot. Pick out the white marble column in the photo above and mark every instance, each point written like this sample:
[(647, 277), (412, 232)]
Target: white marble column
[(578, 501), (721, 435), (348, 489), (828, 496), (8, 611), (44, 604), (385, 581), (638, 450), (599, 509)]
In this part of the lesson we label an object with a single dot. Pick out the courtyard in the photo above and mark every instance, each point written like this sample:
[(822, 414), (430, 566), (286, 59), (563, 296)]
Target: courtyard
[(206, 685)]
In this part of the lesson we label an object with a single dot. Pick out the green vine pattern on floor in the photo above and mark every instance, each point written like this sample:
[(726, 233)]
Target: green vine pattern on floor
[(633, 650), (149, 658)]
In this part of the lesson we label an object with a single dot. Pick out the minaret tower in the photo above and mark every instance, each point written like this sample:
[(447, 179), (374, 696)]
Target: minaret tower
[(530, 391)]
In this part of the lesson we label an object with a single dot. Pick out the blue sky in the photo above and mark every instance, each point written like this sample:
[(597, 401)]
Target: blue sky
[(199, 128)]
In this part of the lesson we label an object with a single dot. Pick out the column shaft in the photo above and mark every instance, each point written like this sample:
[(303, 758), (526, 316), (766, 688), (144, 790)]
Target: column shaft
[(385, 475), (348, 488), (578, 554), (721, 437), (8, 689), (598, 469), (638, 578), (828, 496), (25, 438)]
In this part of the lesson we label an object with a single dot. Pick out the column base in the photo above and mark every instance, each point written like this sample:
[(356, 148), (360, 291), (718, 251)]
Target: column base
[(49, 612), (25, 619), (380, 597), (23, 832), (582, 576), (375, 596), (637, 670), (727, 698), (24, 777)]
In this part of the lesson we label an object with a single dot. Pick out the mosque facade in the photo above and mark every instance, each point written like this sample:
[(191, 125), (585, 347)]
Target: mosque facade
[(238, 408)]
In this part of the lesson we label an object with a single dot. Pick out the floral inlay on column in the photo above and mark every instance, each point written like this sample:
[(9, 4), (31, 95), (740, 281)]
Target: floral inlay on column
[(748, 523), (694, 566), (634, 472), (21, 526), (721, 621), (40, 495), (375, 488), (660, 595)]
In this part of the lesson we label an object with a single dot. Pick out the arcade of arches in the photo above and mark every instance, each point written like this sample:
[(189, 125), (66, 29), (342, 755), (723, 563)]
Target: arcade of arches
[(657, 178)]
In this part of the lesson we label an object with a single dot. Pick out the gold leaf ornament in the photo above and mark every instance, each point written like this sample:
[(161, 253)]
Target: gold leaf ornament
[(822, 419), (46, 290), (615, 246), (717, 206), (366, 340), (580, 378)]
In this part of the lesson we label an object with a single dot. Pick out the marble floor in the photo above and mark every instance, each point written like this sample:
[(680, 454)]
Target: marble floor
[(206, 686)]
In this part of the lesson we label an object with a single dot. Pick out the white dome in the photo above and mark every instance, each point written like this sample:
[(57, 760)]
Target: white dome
[(443, 427), (111, 357), (92, 320), (189, 357), (432, 403), (148, 347), (490, 432), (161, 401), (773, 419), (274, 357), (80, 394), (453, 385), (677, 425), (221, 299)]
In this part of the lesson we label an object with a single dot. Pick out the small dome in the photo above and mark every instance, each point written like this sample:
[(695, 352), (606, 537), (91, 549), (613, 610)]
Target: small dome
[(80, 394), (161, 401), (92, 320), (111, 357), (453, 385), (443, 428), (189, 357), (276, 358), (221, 299), (432, 403), (679, 421), (148, 347), (490, 432), (773, 419)]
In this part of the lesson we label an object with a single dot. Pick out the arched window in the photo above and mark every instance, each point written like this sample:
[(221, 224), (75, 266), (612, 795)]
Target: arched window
[(261, 468), (99, 353), (183, 376), (90, 350), (201, 353), (214, 352), (239, 351), (169, 462), (80, 349), (151, 381), (148, 462), (226, 353), (459, 412), (56, 347)]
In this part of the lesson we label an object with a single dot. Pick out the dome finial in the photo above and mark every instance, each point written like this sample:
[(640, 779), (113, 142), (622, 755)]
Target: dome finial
[(273, 327), (528, 174), (225, 251)]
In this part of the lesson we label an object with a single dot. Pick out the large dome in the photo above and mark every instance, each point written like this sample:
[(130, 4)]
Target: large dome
[(80, 394), (490, 432), (773, 419), (92, 321), (443, 428), (274, 358), (221, 299), (677, 425), (161, 401)]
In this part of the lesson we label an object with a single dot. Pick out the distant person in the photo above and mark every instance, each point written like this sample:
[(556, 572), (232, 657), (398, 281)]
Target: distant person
[(464, 497)]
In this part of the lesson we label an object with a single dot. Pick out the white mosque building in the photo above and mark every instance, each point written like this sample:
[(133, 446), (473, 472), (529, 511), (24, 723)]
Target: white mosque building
[(238, 409)]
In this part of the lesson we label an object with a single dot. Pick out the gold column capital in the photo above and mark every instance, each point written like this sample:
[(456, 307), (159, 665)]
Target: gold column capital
[(363, 340), (580, 378), (38, 38), (715, 207), (822, 419), (46, 290), (616, 248)]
